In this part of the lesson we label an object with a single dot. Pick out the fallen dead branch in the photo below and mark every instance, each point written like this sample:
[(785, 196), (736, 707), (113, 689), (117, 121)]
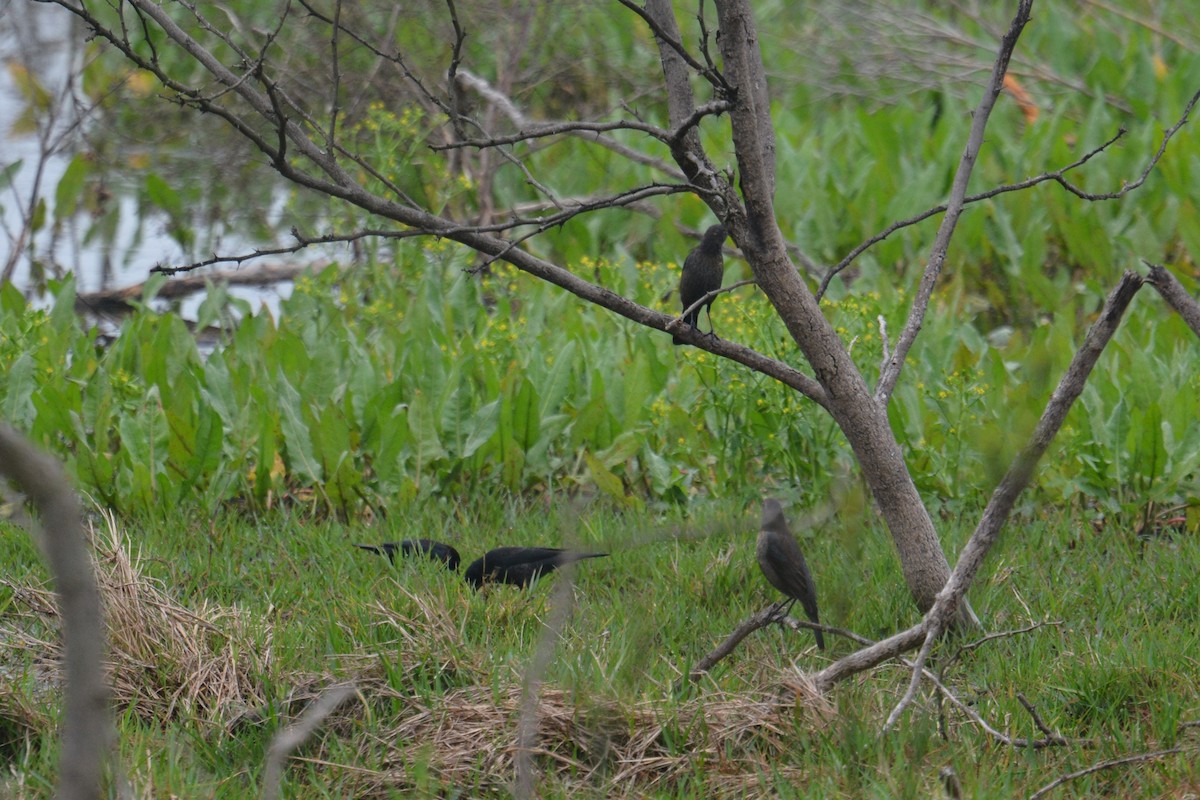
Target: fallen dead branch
[(120, 301), (1115, 762)]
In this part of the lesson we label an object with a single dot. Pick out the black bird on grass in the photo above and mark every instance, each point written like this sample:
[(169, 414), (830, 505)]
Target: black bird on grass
[(783, 564), (438, 551), (703, 271), (520, 566)]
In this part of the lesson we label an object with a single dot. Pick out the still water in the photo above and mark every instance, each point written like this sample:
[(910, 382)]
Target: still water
[(42, 45)]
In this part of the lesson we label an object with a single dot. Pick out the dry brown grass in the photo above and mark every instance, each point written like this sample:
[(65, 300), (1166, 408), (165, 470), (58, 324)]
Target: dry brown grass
[(467, 738), (166, 660), (171, 663)]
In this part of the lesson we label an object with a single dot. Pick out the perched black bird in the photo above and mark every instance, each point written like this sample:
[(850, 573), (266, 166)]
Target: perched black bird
[(783, 564), (703, 270), (520, 566), (438, 551)]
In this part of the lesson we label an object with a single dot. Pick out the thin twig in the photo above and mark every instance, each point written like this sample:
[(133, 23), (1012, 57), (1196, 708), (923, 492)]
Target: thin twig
[(710, 73), (707, 298), (1056, 175), (954, 206), (991, 637), (1037, 719), (296, 734), (1115, 762)]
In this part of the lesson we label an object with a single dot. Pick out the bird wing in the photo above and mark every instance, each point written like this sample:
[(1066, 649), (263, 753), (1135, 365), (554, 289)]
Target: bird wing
[(791, 572)]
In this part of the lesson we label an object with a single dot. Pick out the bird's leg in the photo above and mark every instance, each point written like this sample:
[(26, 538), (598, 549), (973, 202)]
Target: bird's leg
[(779, 613), (791, 602), (712, 329)]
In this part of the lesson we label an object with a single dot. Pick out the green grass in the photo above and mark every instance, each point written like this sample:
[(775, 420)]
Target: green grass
[(1120, 664)]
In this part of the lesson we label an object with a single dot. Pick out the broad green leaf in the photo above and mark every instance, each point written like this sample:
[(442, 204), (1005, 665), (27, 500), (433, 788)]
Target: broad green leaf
[(297, 440), (554, 386), (482, 427), (18, 386), (422, 424), (604, 479), (69, 192), (8, 172), (163, 195)]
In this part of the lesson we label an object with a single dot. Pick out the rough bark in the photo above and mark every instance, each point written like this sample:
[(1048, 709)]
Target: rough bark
[(863, 420)]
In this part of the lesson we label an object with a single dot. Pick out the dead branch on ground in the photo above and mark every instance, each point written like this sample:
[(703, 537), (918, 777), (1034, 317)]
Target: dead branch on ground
[(1109, 764)]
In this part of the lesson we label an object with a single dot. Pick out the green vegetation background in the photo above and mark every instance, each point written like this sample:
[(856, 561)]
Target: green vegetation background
[(407, 395)]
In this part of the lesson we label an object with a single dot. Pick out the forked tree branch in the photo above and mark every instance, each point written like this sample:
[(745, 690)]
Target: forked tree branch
[(998, 508), (1020, 472), (333, 180), (87, 729)]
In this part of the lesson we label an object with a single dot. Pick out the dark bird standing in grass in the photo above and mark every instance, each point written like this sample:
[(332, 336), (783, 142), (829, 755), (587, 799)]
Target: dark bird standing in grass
[(783, 564), (703, 271), (520, 566), (409, 547)]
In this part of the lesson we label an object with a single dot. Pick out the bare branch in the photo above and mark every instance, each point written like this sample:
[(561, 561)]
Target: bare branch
[(296, 734), (336, 66), (457, 103), (1052, 740), (760, 620), (674, 324), (557, 129), (87, 729), (1176, 296), (1115, 762), (590, 134), (1003, 498), (982, 640), (1051, 735), (914, 683), (1057, 175), (670, 37), (116, 301), (686, 149), (954, 206), (449, 230)]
